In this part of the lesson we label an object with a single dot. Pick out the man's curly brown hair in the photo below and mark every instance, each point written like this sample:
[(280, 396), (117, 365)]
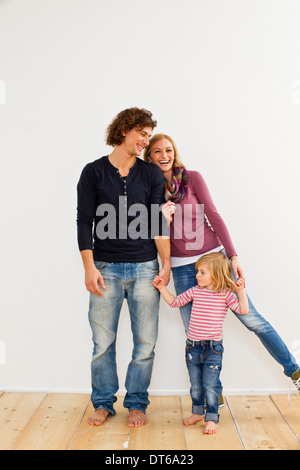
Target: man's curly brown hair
[(132, 118)]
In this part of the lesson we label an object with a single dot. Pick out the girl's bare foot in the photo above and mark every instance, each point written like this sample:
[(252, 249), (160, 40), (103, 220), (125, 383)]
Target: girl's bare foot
[(192, 419), (98, 417), (136, 418), (210, 428)]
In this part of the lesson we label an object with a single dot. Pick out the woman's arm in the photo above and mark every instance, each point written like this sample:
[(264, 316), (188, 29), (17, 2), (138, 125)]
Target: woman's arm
[(217, 223), (202, 192)]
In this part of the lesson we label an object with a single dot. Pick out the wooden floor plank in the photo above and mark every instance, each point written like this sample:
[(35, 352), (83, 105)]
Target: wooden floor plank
[(290, 410), (164, 429), (16, 409), (54, 424), (112, 435), (260, 424), (226, 438)]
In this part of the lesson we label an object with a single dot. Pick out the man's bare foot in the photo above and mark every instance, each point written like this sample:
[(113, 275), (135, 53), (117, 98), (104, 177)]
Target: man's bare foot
[(210, 428), (136, 418), (98, 417), (192, 419)]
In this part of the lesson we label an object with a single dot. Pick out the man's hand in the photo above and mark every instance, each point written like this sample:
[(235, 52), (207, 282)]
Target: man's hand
[(92, 277), (165, 274), (92, 274)]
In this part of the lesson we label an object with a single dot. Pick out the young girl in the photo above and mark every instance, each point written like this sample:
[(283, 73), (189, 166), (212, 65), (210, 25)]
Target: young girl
[(211, 297)]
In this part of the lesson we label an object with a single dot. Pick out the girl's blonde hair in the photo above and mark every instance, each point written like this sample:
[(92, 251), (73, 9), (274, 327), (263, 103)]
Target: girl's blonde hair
[(156, 138), (219, 269)]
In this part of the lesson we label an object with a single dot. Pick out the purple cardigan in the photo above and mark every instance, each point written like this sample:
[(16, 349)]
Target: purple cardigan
[(212, 227)]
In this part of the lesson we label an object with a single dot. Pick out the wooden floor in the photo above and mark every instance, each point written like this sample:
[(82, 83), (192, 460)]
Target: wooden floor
[(40, 421)]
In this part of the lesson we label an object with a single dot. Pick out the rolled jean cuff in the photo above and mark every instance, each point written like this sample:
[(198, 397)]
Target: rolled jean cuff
[(107, 408), (212, 417), (198, 410), (138, 408)]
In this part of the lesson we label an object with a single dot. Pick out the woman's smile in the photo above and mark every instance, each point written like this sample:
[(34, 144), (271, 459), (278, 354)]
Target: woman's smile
[(162, 154)]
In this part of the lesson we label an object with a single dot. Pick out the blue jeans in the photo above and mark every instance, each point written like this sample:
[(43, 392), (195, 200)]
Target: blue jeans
[(131, 281), (184, 278), (204, 363)]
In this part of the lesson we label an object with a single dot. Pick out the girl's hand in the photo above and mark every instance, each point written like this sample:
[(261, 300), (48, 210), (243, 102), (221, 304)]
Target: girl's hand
[(158, 282), (240, 284), (168, 210)]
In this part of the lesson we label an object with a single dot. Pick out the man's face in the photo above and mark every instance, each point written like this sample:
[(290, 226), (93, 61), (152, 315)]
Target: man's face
[(136, 140)]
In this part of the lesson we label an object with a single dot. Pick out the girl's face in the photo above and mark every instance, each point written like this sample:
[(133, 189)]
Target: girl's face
[(204, 278), (162, 154)]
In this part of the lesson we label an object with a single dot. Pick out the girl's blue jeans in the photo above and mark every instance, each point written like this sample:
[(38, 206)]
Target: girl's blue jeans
[(184, 278), (131, 281), (204, 363)]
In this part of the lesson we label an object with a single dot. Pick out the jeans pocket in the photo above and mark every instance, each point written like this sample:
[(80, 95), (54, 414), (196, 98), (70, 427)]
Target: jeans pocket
[(189, 346), (100, 265), (217, 347), (150, 265)]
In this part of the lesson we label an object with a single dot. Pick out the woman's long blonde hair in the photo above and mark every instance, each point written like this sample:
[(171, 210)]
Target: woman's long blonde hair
[(156, 138), (219, 269)]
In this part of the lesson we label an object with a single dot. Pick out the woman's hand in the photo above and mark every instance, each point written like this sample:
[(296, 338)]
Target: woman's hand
[(168, 210), (236, 268)]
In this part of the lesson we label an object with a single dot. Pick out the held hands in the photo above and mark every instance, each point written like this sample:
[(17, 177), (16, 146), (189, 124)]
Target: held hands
[(240, 284), (158, 282), (168, 210), (243, 300)]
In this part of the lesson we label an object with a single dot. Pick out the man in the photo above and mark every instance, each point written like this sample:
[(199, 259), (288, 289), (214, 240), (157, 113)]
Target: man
[(119, 263)]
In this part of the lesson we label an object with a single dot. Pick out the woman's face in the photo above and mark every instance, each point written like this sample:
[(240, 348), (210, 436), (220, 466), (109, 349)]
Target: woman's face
[(162, 154)]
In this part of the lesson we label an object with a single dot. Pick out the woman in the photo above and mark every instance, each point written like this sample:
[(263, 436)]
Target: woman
[(184, 187)]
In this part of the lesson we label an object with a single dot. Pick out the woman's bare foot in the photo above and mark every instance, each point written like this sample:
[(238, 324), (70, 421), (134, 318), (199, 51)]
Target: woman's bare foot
[(192, 419), (136, 418), (210, 428), (98, 417)]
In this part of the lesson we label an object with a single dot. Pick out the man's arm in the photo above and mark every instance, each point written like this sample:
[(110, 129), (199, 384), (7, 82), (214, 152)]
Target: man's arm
[(92, 274), (164, 250)]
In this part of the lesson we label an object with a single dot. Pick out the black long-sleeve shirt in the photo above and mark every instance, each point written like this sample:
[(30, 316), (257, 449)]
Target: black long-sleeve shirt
[(109, 221)]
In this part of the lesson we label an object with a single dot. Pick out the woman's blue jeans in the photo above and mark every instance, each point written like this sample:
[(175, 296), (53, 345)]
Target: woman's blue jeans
[(204, 363), (184, 278), (131, 281)]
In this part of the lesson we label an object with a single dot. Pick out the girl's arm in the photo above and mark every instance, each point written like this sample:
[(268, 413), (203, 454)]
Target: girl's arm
[(243, 300), (174, 302), (158, 282)]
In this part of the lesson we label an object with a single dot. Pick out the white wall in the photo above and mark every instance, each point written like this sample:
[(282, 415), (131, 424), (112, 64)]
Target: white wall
[(222, 78)]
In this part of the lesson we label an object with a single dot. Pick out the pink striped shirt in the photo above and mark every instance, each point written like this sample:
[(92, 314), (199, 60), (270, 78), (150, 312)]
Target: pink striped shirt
[(208, 311)]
